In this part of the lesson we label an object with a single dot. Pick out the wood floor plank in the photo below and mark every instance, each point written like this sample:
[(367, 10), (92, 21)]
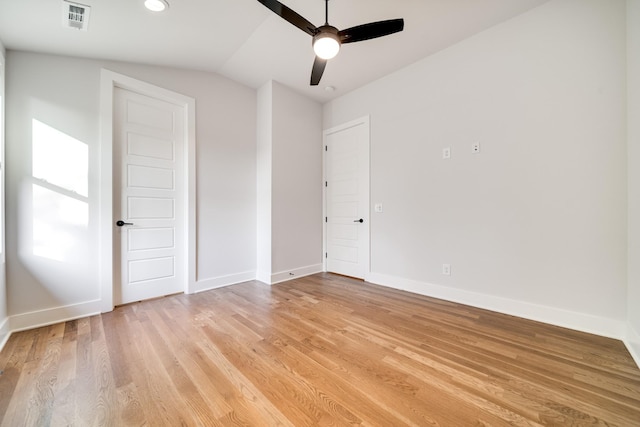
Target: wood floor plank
[(13, 358), (40, 408), (84, 396), (170, 345), (106, 411), (322, 350), (64, 400), (156, 396)]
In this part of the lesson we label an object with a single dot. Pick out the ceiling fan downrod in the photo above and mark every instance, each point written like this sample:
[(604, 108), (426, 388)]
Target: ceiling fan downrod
[(326, 12)]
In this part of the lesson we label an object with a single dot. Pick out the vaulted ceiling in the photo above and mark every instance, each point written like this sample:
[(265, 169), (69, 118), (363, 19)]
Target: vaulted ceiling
[(246, 42)]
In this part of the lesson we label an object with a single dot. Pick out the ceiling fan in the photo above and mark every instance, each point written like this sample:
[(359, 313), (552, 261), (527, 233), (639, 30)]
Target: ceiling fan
[(327, 39)]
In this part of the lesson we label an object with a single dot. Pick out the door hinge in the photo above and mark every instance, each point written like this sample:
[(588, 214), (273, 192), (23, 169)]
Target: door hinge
[(326, 148), (326, 219), (326, 184), (326, 255)]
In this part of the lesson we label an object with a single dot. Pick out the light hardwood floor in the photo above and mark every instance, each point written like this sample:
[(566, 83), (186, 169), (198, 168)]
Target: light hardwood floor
[(321, 350)]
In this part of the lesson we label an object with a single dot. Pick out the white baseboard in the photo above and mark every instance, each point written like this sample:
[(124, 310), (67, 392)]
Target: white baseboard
[(632, 341), (222, 281), (564, 318), (283, 276), (36, 319), (263, 276), (5, 332)]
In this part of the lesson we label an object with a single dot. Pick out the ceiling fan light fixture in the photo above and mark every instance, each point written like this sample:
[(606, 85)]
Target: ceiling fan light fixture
[(326, 45), (327, 38), (156, 5)]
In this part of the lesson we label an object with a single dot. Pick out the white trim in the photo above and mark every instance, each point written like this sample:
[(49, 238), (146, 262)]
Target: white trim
[(5, 332), (324, 200), (190, 205), (367, 235), (222, 281), (3, 130), (108, 81), (555, 316), (263, 276), (632, 341), (37, 319), (284, 276), (105, 260)]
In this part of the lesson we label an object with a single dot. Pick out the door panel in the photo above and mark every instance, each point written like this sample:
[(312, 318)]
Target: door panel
[(150, 208), (347, 200), (148, 174), (144, 270), (151, 238), (147, 177), (148, 146), (150, 116)]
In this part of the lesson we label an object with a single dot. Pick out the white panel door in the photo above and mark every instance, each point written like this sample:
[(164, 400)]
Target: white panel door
[(149, 196), (347, 199)]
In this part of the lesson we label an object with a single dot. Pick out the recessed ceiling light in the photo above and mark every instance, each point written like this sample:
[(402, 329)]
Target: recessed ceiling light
[(329, 89), (156, 5)]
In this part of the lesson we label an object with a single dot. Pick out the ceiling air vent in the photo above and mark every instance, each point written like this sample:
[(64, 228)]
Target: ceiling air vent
[(75, 15)]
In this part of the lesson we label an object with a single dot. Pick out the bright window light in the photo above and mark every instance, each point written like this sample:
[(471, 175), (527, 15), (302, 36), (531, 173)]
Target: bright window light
[(60, 193), (60, 159), (58, 221)]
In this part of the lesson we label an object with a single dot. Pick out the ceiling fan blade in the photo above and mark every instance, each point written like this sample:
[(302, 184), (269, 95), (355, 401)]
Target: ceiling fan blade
[(371, 30), (318, 69), (291, 16)]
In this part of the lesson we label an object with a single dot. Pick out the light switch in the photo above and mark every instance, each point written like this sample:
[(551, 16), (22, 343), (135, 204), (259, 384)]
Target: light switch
[(378, 207)]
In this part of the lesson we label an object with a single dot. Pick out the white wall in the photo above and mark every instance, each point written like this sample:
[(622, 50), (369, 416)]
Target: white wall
[(633, 137), (50, 259), (297, 185), (289, 184), (63, 93), (4, 323), (534, 225)]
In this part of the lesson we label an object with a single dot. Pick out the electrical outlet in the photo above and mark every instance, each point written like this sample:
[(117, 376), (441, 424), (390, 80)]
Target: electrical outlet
[(446, 269), (446, 153), (475, 148)]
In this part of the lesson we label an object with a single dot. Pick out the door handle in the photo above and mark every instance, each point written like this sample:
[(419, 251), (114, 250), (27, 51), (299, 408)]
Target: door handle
[(120, 223), (359, 220)]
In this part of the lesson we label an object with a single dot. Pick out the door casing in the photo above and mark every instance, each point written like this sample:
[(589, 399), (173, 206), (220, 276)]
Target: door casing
[(108, 81)]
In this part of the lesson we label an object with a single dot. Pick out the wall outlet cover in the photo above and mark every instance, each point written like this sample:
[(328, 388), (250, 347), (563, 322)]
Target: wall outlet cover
[(446, 269)]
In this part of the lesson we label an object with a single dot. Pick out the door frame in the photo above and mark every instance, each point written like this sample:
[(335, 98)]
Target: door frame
[(109, 80), (365, 121)]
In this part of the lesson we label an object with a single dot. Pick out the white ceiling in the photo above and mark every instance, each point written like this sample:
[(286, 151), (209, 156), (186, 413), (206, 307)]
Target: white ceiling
[(246, 42)]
